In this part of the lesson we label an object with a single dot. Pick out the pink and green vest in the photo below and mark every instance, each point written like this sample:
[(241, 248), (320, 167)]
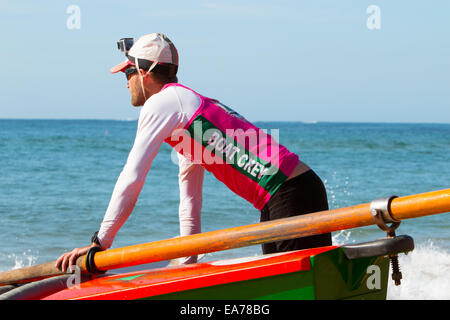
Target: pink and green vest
[(244, 157)]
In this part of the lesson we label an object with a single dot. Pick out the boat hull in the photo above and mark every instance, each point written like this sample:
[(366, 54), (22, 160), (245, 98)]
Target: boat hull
[(319, 273)]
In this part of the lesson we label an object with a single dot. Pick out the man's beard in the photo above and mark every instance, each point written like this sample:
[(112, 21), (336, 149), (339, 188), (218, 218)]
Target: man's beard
[(138, 98)]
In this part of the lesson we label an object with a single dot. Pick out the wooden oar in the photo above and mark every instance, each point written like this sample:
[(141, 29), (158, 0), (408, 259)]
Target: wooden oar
[(299, 226)]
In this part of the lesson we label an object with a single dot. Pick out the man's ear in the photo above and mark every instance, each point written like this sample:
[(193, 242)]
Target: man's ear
[(145, 75)]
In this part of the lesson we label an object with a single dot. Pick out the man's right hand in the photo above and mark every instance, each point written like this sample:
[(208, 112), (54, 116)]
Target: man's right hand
[(68, 259)]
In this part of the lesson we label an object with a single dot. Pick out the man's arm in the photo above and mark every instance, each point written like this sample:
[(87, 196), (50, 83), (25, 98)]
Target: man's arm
[(157, 121), (190, 179)]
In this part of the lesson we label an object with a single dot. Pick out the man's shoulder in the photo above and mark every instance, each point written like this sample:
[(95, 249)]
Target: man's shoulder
[(164, 101), (170, 103), (163, 96), (170, 94)]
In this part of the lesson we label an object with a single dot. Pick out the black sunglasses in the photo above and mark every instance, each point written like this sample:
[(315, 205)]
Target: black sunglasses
[(129, 72)]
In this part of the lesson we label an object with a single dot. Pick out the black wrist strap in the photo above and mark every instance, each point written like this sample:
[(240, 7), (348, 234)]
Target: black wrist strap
[(94, 239)]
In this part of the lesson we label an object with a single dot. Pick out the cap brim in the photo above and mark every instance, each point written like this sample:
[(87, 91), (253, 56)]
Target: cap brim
[(121, 66)]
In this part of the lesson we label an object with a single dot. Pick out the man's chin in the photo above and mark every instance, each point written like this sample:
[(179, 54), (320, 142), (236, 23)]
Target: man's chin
[(135, 103)]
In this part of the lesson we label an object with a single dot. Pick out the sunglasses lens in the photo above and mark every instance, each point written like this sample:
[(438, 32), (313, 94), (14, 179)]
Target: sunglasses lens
[(129, 72)]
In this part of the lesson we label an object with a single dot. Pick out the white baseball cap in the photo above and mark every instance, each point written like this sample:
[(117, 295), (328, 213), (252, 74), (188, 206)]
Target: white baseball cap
[(152, 52)]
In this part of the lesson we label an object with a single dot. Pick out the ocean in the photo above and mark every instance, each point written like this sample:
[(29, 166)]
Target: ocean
[(57, 177)]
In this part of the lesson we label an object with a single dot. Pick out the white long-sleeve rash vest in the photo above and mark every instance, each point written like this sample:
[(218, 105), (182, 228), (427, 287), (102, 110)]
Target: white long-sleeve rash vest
[(161, 114)]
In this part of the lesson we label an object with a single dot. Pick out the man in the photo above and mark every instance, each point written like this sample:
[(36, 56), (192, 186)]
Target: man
[(207, 135)]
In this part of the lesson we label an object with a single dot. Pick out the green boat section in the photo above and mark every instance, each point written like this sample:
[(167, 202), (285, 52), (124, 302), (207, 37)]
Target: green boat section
[(332, 276)]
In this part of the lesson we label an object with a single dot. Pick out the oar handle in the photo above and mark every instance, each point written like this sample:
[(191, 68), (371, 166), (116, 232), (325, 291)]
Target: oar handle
[(29, 274)]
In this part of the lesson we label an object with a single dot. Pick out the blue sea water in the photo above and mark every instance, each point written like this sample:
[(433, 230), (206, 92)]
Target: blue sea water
[(57, 177)]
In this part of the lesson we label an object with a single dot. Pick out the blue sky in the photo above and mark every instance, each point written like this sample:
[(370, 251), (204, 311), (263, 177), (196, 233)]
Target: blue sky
[(269, 60)]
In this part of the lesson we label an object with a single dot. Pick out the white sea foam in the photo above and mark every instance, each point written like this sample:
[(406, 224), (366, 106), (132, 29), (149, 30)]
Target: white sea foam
[(426, 275), (342, 237), (425, 271), (18, 260)]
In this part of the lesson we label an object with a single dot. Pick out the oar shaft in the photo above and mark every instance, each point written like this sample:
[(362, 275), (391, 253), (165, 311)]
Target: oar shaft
[(288, 228), (299, 226), (236, 237), (421, 205)]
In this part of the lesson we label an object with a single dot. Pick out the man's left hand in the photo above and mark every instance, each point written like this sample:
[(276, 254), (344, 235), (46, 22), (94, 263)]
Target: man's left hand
[(68, 259)]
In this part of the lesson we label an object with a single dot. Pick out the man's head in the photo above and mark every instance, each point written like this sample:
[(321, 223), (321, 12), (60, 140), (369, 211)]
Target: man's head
[(152, 61)]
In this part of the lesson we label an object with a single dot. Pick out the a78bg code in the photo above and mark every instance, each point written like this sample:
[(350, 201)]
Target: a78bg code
[(246, 309), (226, 309)]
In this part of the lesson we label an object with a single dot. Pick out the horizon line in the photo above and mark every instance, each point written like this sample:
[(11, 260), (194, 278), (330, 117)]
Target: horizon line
[(285, 121)]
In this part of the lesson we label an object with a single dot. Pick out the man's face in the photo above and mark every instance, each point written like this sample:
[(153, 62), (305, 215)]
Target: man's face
[(134, 85)]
